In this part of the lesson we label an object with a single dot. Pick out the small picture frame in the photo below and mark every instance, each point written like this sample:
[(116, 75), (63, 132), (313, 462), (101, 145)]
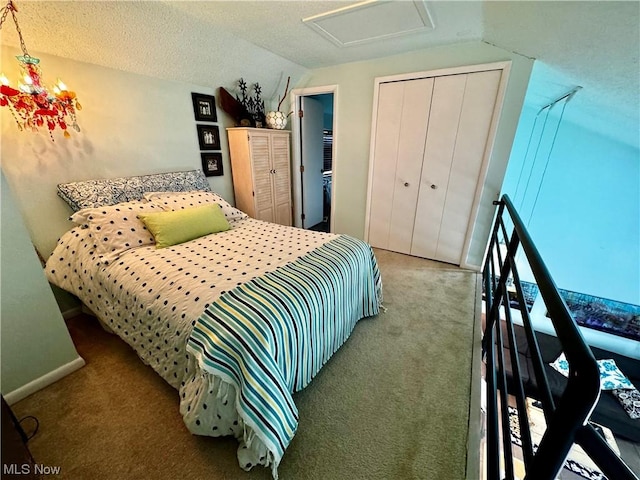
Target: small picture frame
[(212, 163), (208, 137), (204, 107)]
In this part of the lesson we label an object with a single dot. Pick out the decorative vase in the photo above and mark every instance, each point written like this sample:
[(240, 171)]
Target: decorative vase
[(276, 120)]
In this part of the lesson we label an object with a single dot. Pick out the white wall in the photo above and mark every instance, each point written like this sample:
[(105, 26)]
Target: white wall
[(131, 125), (581, 206), (354, 109), (35, 341)]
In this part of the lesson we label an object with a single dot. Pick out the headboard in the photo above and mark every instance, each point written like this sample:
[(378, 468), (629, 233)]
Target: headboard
[(101, 192)]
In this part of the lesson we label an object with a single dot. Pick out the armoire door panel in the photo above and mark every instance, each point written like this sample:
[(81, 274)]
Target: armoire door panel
[(283, 214), (473, 129), (448, 96), (281, 186), (414, 122), (265, 213), (260, 151), (389, 114), (263, 194), (262, 191), (281, 178)]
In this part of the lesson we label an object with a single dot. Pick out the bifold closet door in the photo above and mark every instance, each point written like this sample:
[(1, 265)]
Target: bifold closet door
[(461, 113), (429, 145), (402, 121)]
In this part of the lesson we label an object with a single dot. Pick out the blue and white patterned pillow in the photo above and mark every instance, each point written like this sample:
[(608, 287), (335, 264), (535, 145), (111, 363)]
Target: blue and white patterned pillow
[(611, 378), (103, 192), (630, 401)]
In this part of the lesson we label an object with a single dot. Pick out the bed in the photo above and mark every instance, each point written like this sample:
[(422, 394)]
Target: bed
[(236, 320)]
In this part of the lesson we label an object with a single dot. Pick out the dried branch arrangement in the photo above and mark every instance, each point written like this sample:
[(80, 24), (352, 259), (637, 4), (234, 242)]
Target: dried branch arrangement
[(286, 90)]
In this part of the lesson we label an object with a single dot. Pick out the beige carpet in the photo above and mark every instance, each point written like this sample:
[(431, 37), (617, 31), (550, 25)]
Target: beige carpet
[(393, 403)]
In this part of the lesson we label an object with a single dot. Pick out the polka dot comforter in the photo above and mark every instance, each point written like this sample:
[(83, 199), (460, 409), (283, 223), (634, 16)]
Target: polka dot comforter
[(172, 304)]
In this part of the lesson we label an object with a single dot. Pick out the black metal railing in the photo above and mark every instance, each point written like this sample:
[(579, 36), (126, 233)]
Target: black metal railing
[(566, 416)]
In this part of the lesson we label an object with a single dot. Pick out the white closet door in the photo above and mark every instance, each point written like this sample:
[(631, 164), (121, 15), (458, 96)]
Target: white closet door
[(473, 130), (413, 131), (461, 114), (390, 99), (402, 122), (448, 95)]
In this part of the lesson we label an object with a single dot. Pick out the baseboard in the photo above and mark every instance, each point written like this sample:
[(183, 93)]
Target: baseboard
[(44, 381), (72, 312), (471, 266), (475, 464)]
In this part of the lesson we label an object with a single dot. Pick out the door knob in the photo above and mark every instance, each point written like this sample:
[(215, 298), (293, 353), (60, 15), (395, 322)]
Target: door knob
[(434, 187)]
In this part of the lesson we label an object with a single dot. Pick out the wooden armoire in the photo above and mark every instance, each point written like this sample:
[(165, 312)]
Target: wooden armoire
[(431, 139), (261, 166)]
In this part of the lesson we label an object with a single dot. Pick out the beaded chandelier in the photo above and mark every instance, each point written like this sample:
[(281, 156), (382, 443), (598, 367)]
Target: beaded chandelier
[(31, 104)]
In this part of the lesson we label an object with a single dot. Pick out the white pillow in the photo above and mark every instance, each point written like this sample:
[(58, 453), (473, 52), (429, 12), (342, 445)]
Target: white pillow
[(117, 228), (611, 378), (196, 198)]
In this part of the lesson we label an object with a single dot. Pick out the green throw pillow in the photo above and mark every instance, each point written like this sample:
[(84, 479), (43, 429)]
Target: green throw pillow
[(171, 228)]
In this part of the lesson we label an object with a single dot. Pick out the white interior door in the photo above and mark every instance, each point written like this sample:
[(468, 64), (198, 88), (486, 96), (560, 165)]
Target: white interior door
[(312, 161)]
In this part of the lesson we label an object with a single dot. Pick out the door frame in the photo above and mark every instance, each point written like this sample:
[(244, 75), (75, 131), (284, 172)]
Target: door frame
[(296, 145), (505, 66)]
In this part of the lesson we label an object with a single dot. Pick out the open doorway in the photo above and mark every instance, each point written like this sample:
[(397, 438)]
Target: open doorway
[(313, 130)]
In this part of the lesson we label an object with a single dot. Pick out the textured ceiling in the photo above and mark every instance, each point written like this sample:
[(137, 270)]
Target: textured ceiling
[(277, 26), (591, 44)]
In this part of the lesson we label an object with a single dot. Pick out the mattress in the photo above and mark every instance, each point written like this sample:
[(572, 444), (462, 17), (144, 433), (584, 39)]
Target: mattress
[(236, 321)]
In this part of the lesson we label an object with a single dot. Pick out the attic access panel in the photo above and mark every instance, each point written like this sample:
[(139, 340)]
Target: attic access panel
[(372, 20)]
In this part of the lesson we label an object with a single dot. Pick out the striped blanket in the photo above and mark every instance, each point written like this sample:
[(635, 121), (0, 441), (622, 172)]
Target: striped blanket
[(270, 336)]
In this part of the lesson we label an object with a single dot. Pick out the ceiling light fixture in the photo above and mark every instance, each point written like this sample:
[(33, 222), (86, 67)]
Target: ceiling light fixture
[(31, 104)]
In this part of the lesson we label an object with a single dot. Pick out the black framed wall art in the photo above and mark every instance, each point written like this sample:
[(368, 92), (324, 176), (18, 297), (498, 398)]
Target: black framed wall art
[(208, 137), (204, 107), (212, 163)]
